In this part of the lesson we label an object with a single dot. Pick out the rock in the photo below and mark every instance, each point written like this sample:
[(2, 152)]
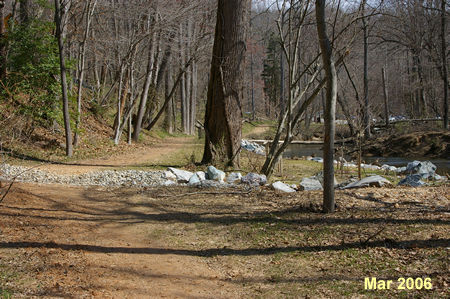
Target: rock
[(401, 169), (350, 165), (294, 186), (234, 177), (214, 174), (425, 168), (209, 184), (392, 168), (317, 159), (412, 180), (309, 184), (201, 175), (194, 179), (319, 177), (386, 167), (349, 181), (182, 176), (168, 175), (253, 147), (438, 177), (254, 179), (371, 181), (169, 183), (370, 166), (280, 186)]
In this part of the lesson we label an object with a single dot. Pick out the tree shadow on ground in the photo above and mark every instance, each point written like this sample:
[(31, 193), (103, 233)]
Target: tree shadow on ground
[(387, 243)]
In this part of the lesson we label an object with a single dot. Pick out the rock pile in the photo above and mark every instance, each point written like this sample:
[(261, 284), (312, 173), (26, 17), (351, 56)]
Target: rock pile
[(107, 178), (416, 171), (253, 147)]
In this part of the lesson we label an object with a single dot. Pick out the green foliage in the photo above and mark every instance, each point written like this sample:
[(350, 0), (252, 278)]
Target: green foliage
[(33, 65), (5, 294)]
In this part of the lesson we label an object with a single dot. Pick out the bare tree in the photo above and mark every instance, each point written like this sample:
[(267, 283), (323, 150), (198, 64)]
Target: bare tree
[(330, 108), (3, 44), (385, 96), (366, 114), (61, 9), (444, 61), (88, 13)]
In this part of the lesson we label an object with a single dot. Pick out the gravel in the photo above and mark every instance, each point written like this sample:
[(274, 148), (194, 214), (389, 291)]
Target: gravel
[(106, 178)]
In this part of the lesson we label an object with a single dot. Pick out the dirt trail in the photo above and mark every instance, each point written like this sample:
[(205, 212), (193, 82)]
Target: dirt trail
[(137, 156), (89, 242), (257, 130), (101, 244), (112, 235)]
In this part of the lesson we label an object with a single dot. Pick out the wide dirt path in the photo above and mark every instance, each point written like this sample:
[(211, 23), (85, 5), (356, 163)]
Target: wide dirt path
[(80, 242), (134, 157), (83, 242)]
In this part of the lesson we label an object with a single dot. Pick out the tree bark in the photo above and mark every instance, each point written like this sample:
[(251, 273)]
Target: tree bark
[(60, 11), (168, 120), (193, 99), (144, 95), (89, 11), (330, 108), (366, 75), (385, 95), (444, 62), (3, 44), (223, 108), (24, 11)]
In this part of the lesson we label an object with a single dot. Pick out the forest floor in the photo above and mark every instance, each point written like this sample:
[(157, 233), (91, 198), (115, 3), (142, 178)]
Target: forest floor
[(74, 242)]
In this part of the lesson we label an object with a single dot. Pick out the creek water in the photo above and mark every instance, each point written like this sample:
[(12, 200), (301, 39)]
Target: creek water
[(300, 150)]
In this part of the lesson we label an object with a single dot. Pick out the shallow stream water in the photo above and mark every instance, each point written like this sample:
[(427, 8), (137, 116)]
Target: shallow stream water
[(300, 150)]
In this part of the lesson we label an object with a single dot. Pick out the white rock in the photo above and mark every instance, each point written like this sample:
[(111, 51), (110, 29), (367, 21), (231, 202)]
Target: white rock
[(310, 184), (182, 176), (215, 174), (168, 175), (371, 181), (280, 186), (234, 177)]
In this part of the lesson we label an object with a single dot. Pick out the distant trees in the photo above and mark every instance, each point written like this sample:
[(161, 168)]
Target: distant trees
[(411, 33), (223, 108), (140, 61)]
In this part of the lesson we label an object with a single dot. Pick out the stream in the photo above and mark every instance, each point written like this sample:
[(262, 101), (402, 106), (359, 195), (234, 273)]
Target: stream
[(300, 150)]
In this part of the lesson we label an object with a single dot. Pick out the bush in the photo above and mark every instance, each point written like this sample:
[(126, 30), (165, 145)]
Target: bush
[(33, 65)]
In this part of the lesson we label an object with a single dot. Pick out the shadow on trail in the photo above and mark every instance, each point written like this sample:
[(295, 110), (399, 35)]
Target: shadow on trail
[(429, 243), (17, 155)]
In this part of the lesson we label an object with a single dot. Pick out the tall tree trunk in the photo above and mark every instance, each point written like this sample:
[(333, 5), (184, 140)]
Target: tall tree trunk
[(422, 101), (385, 95), (3, 44), (25, 11), (344, 106), (444, 61), (366, 115), (252, 86), (168, 120), (144, 95), (223, 108), (193, 99), (116, 125), (60, 11), (330, 108), (89, 11)]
